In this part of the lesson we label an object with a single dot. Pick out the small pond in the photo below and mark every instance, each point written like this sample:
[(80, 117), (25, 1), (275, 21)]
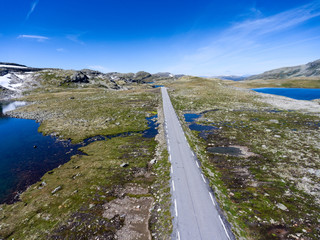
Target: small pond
[(191, 118), (157, 86)]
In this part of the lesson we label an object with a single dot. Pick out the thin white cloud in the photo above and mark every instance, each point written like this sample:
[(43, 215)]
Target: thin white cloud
[(99, 68), (60, 50), (279, 21), (33, 6), (228, 49), (75, 38), (35, 37)]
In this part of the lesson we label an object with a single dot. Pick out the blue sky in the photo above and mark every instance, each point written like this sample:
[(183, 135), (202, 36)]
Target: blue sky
[(192, 37)]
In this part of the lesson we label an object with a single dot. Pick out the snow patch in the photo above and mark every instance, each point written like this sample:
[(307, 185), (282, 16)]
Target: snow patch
[(6, 81), (11, 66)]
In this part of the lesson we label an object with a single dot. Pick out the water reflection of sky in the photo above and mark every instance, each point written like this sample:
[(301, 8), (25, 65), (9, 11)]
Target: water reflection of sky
[(295, 93), (26, 155)]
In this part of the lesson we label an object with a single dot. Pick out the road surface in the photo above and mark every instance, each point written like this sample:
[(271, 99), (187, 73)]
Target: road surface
[(195, 211)]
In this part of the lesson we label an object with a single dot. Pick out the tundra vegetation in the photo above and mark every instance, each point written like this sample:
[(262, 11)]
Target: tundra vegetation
[(262, 162), (118, 187), (270, 189)]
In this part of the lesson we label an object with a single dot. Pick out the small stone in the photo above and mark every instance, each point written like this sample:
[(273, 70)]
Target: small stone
[(153, 161), (124, 165), (42, 184), (282, 207), (272, 221), (273, 121), (56, 189), (91, 205), (268, 130), (277, 136)]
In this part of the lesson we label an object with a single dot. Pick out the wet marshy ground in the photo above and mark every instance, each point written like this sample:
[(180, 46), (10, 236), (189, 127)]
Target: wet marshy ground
[(26, 154), (246, 149), (234, 151), (203, 130)]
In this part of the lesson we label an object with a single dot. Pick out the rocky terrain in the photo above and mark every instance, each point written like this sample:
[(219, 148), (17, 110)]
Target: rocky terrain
[(16, 79), (119, 188), (260, 154), (311, 69)]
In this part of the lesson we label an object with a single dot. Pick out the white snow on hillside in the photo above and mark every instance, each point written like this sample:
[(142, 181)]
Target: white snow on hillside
[(6, 81), (11, 66)]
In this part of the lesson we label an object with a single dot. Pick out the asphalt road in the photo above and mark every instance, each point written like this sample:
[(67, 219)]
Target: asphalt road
[(195, 210)]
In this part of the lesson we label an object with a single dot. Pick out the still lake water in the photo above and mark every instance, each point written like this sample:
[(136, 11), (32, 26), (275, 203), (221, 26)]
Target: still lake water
[(295, 93), (26, 155)]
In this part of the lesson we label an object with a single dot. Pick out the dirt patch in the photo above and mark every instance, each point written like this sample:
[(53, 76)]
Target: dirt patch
[(133, 188), (135, 212)]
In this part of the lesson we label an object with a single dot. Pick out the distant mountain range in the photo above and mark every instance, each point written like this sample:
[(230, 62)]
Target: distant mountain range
[(311, 69), (232, 77)]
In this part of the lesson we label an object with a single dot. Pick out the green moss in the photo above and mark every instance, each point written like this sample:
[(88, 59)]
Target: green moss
[(250, 190), (85, 179)]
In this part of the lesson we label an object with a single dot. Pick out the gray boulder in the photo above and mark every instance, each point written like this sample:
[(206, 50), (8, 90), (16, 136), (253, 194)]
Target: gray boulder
[(79, 77)]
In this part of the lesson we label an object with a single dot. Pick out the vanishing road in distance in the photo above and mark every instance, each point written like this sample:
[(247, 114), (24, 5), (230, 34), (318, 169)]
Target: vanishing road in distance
[(195, 211)]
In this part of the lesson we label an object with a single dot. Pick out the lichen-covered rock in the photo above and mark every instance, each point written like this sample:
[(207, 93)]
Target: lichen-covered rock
[(79, 77), (140, 76)]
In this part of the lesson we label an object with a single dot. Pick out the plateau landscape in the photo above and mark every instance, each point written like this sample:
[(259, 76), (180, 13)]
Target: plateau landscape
[(172, 120)]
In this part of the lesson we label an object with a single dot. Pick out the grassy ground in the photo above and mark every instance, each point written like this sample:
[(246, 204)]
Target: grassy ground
[(72, 201), (284, 83), (272, 194), (83, 113)]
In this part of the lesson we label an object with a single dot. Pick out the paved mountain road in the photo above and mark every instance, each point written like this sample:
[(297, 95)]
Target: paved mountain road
[(196, 214)]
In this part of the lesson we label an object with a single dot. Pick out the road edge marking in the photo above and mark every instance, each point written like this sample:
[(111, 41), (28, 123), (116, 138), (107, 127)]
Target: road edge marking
[(224, 227), (203, 178), (175, 207), (212, 199)]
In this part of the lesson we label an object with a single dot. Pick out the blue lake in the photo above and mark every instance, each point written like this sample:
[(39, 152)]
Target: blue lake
[(295, 93), (26, 155)]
